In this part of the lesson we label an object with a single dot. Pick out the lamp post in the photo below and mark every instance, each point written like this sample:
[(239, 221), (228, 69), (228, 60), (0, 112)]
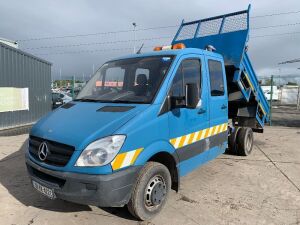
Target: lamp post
[(134, 35)]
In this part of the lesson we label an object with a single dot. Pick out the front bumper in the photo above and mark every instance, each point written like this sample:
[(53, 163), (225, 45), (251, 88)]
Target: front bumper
[(113, 190)]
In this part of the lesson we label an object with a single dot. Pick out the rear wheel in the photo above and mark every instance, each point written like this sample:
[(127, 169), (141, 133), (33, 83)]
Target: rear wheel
[(244, 141), (150, 192), (232, 146)]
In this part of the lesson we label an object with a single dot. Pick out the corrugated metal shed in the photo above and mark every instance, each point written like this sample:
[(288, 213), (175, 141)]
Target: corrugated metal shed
[(22, 70)]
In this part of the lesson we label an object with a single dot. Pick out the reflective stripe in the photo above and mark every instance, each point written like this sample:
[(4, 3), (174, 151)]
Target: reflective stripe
[(136, 154), (125, 159), (117, 162), (187, 139), (182, 139), (128, 158), (203, 134), (177, 142), (196, 136), (191, 138)]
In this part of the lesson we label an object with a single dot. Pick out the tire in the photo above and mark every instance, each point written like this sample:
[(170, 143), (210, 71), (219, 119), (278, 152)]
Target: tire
[(150, 192), (232, 147), (244, 141)]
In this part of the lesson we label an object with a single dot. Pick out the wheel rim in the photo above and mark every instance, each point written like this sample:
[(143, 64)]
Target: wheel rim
[(248, 143), (155, 192)]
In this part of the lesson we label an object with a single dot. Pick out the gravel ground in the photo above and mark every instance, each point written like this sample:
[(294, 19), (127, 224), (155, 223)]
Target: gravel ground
[(263, 188)]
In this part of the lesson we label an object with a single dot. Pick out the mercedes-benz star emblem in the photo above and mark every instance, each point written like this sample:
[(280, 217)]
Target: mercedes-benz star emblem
[(43, 151)]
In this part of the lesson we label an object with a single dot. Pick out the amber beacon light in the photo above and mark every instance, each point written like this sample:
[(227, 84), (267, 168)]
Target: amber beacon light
[(169, 47)]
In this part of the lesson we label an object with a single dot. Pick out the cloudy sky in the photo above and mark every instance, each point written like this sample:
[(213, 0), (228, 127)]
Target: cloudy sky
[(47, 29)]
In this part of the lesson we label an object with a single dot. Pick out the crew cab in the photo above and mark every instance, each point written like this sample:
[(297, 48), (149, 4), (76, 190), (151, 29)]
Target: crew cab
[(145, 120)]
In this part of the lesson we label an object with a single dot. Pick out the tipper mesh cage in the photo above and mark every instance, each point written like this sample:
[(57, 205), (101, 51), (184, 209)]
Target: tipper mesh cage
[(235, 23), (187, 31), (209, 27), (213, 26)]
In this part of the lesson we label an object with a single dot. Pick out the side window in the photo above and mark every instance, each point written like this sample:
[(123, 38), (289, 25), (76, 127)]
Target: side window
[(114, 77), (188, 72), (191, 69), (216, 78), (177, 85)]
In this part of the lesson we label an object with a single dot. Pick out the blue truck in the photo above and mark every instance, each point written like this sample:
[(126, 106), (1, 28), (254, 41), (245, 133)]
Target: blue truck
[(145, 120)]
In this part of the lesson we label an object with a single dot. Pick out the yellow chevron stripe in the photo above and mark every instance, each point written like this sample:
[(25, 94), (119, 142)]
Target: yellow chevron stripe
[(120, 159), (203, 133), (212, 131), (191, 138), (173, 141), (225, 127), (207, 133), (136, 154), (181, 141), (198, 135), (219, 128), (117, 163)]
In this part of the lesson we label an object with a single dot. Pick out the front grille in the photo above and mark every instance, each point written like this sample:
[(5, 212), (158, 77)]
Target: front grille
[(46, 177), (58, 154)]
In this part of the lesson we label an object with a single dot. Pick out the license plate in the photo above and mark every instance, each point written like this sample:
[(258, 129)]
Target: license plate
[(44, 190), (58, 103)]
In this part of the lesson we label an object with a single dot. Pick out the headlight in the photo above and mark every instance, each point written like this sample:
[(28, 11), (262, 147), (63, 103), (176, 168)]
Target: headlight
[(101, 152)]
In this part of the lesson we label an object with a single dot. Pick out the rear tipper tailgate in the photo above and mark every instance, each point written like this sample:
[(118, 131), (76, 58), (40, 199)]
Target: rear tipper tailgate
[(229, 35)]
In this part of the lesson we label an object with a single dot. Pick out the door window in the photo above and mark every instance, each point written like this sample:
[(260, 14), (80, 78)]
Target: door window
[(188, 72), (216, 78)]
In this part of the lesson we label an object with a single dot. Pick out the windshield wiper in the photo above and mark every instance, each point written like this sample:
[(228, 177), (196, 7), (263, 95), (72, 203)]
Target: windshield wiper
[(126, 101), (86, 100), (107, 101)]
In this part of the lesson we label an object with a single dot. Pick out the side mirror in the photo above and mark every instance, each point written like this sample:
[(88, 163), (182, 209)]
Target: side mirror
[(176, 102), (191, 95)]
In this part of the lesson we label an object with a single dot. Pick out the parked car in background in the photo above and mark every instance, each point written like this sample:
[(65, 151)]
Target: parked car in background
[(56, 100), (64, 96)]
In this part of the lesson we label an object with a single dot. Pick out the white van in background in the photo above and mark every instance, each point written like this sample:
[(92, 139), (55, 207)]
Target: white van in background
[(267, 92)]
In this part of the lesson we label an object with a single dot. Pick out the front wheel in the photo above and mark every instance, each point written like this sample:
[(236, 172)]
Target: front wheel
[(150, 192)]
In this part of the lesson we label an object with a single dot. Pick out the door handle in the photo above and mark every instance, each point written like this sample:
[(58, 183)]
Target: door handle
[(223, 106), (201, 111)]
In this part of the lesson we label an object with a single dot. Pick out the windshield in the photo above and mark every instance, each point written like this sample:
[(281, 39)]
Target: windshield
[(134, 80)]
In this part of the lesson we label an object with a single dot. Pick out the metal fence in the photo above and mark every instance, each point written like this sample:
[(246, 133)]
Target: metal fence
[(283, 94)]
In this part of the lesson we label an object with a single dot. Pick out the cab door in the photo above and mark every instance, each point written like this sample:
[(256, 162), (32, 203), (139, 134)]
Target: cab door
[(218, 100), (185, 124), (218, 104)]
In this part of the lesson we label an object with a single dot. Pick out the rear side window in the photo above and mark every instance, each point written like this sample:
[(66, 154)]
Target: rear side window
[(216, 78)]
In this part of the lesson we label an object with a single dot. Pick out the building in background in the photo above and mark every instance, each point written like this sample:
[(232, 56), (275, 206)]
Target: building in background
[(10, 43), (290, 94), (25, 87)]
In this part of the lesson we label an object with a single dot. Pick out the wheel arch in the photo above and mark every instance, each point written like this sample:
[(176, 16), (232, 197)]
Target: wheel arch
[(170, 162), (164, 153)]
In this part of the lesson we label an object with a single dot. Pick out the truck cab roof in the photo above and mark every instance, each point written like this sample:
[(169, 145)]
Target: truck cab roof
[(177, 52)]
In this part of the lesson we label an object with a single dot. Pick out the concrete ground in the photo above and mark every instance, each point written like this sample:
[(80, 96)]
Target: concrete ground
[(263, 188), (285, 115)]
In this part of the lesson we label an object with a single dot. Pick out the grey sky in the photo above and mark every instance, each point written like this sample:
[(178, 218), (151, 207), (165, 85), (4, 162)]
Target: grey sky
[(35, 18)]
